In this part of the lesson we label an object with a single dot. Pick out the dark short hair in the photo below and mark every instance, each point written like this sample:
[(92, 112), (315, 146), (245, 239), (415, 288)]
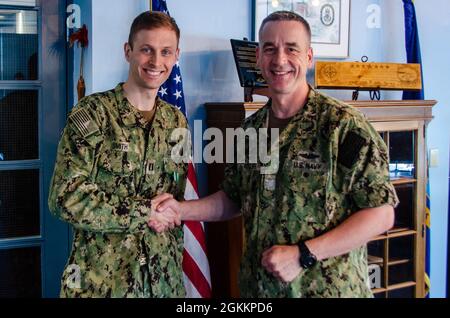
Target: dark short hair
[(150, 20), (286, 16)]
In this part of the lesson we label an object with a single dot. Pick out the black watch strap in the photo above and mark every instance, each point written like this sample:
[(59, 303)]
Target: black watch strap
[(307, 259)]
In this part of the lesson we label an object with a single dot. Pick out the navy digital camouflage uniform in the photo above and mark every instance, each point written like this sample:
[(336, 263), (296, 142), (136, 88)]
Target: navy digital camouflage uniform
[(110, 163), (332, 164)]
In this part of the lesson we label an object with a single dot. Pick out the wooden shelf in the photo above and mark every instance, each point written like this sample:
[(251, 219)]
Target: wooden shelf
[(374, 259), (394, 233), (402, 233), (398, 229), (398, 181), (378, 238), (401, 285), (379, 261), (399, 262), (379, 290)]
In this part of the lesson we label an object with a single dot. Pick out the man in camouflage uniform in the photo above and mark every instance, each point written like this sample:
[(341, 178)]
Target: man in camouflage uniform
[(114, 156), (307, 225)]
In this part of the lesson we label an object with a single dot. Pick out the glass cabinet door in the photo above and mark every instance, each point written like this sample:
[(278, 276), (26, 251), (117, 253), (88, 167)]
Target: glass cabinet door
[(393, 253)]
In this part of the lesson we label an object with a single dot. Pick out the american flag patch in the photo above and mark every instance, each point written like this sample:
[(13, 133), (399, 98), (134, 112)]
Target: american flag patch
[(83, 122)]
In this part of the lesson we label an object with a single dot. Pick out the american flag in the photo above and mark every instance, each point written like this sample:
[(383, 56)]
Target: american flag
[(196, 275)]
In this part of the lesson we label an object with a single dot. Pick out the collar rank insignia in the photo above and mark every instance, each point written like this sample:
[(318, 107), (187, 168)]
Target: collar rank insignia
[(150, 167)]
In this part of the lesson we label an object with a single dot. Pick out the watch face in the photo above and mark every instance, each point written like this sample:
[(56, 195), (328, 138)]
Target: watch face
[(309, 261)]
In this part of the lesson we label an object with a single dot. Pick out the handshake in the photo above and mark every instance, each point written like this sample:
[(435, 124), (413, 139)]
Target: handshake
[(165, 213)]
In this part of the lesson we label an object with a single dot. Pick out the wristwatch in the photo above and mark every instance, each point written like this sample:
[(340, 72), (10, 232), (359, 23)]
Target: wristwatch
[(307, 259)]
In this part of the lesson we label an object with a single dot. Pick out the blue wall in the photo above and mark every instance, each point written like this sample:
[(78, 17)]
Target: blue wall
[(209, 73)]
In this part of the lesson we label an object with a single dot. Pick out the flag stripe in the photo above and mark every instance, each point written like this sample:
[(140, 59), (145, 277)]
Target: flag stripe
[(192, 176), (196, 229), (191, 192), (194, 249), (190, 288), (194, 274)]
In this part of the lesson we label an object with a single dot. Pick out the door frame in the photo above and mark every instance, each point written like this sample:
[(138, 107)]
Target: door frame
[(52, 111)]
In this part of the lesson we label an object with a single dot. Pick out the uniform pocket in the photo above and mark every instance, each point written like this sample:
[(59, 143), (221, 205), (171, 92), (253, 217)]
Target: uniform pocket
[(116, 172), (306, 193), (119, 162)]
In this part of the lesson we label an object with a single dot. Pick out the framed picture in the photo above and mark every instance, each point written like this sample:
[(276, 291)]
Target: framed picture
[(329, 21)]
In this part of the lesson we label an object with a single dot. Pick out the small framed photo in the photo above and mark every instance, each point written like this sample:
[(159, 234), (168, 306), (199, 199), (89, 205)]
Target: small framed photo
[(329, 21)]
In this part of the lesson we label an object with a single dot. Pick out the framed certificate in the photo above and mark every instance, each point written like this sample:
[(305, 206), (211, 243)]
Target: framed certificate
[(328, 19)]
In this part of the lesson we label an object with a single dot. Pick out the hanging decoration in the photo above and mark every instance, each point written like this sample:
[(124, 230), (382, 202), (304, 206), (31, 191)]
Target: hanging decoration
[(81, 38)]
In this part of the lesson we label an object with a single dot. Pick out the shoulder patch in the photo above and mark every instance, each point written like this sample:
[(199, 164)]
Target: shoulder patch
[(350, 148), (84, 123)]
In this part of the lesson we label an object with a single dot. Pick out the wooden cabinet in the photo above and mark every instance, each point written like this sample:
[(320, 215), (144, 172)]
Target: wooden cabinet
[(396, 258), (399, 255)]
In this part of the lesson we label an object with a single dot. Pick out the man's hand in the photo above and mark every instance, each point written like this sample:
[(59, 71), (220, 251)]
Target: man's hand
[(282, 261), (160, 222), (165, 213)]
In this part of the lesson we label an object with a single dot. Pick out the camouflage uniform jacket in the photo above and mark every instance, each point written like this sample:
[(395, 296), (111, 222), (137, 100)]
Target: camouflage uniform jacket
[(110, 163), (332, 164)]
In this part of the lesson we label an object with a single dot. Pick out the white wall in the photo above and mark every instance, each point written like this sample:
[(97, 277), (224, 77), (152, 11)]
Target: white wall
[(207, 64), (111, 24)]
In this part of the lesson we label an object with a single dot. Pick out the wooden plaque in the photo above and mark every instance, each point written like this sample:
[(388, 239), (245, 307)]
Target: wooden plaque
[(353, 75)]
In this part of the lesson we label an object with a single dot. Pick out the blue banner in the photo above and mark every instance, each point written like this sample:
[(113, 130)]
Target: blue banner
[(412, 45)]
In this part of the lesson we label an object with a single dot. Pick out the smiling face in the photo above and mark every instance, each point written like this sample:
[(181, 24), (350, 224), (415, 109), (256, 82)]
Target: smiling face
[(284, 56), (152, 56)]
